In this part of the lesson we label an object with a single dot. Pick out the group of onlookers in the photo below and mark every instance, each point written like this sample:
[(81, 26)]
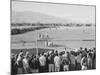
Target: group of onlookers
[(53, 61)]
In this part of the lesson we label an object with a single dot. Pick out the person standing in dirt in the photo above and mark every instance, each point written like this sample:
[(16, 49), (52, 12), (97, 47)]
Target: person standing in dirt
[(78, 61), (72, 59), (66, 62), (94, 59), (26, 63), (19, 62), (89, 61), (42, 61), (57, 62), (34, 64), (13, 64), (51, 62), (84, 63)]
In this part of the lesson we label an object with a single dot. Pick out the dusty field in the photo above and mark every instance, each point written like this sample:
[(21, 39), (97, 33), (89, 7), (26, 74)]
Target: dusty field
[(69, 37)]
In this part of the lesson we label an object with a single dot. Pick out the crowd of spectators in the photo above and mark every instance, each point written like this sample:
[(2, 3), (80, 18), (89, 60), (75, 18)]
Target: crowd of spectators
[(53, 61)]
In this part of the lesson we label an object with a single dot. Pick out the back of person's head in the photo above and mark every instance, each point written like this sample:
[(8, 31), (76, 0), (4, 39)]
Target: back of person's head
[(35, 56), (81, 48), (21, 51), (56, 54), (45, 55), (90, 54), (38, 54), (67, 52), (56, 51), (85, 49), (42, 53), (52, 51)]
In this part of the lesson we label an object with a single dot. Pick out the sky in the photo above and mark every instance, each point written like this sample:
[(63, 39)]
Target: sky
[(75, 13)]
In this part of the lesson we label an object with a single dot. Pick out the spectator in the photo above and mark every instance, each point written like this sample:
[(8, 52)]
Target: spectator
[(42, 61), (13, 64), (78, 61), (66, 62), (19, 63), (89, 61), (72, 59), (26, 63), (57, 63), (84, 62), (51, 62)]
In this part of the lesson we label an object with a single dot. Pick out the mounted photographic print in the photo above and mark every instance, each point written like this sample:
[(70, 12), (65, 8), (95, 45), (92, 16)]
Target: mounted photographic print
[(52, 37)]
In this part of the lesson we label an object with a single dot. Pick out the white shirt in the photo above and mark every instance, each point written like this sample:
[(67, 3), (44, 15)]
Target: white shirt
[(57, 61), (65, 55), (18, 59), (25, 63), (42, 61)]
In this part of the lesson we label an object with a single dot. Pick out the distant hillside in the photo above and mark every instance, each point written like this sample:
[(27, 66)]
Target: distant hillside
[(35, 17)]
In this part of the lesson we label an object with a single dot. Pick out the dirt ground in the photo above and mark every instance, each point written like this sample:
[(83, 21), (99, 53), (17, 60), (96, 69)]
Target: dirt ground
[(69, 37)]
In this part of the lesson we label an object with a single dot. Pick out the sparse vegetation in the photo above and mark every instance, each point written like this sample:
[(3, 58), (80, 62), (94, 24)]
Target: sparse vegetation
[(26, 27)]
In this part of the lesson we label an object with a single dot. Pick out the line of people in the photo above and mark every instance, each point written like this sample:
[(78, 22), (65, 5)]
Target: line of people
[(53, 61)]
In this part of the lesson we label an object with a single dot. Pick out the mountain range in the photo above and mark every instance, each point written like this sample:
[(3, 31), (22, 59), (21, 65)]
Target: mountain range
[(35, 17)]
